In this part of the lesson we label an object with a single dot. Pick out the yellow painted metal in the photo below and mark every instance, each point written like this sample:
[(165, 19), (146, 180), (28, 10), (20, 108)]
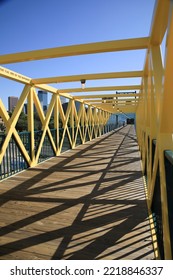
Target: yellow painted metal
[(56, 123), (53, 90), (72, 123), (7, 73), (166, 128), (152, 105), (45, 128), (91, 48), (159, 21), (30, 113), (11, 123), (167, 112), (110, 88), (79, 121), (158, 73), (158, 26), (164, 204), (76, 78), (65, 119), (44, 121), (103, 96), (112, 101), (154, 111)]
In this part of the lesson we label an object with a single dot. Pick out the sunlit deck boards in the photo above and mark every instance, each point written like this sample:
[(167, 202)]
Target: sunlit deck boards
[(88, 203)]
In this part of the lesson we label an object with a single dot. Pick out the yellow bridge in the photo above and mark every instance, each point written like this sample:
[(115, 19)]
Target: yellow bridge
[(92, 198)]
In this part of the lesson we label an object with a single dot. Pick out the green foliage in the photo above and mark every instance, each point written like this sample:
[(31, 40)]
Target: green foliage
[(37, 122), (22, 123), (2, 127)]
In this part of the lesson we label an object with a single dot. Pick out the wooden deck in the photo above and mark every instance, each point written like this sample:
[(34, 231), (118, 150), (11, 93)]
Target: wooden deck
[(87, 203)]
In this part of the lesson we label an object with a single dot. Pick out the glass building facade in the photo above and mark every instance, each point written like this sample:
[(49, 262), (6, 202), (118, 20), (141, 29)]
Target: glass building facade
[(43, 97)]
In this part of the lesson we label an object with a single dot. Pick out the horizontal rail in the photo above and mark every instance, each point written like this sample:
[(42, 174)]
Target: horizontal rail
[(91, 48)]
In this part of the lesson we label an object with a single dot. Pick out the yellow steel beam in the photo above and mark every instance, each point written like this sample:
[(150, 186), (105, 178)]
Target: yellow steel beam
[(91, 48), (111, 100), (158, 72), (11, 123), (119, 110), (7, 73), (56, 123), (45, 122), (167, 101), (76, 78), (159, 21), (158, 26), (110, 88), (30, 119), (106, 96), (104, 105), (52, 90)]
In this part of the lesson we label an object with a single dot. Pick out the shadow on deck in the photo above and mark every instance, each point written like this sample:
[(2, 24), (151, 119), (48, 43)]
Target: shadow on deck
[(88, 203)]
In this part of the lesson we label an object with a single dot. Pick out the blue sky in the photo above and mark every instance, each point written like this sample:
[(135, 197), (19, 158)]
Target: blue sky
[(38, 24)]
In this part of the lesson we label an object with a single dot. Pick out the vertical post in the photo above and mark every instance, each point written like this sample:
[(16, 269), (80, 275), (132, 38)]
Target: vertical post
[(72, 123), (165, 132), (116, 120), (83, 123), (95, 122), (89, 121), (56, 124), (99, 121), (30, 112)]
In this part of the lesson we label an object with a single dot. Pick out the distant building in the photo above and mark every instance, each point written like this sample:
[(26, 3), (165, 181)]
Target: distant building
[(43, 98), (12, 101), (65, 105), (42, 95)]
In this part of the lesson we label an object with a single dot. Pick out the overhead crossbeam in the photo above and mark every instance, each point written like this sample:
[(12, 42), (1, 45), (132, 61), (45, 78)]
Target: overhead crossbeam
[(98, 76), (74, 50), (103, 96), (115, 103), (91, 89), (110, 100), (117, 109), (106, 105)]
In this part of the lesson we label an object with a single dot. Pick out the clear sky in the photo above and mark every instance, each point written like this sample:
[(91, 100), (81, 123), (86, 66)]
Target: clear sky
[(37, 24)]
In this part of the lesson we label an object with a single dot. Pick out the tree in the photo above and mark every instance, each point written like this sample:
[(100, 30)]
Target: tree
[(37, 122), (22, 123), (2, 127)]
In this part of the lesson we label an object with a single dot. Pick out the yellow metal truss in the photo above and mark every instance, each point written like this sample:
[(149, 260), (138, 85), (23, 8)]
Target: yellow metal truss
[(152, 103), (154, 113)]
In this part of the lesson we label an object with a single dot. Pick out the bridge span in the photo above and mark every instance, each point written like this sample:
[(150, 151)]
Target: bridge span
[(87, 203)]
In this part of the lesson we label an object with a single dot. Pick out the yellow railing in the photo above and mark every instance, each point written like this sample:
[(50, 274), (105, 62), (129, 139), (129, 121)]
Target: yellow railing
[(155, 117), (87, 119), (153, 105)]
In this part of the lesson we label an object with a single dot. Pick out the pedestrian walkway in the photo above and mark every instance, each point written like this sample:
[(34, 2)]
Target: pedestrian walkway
[(88, 203)]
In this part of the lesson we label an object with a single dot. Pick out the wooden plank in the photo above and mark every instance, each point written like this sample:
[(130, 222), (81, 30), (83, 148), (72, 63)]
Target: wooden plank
[(88, 203)]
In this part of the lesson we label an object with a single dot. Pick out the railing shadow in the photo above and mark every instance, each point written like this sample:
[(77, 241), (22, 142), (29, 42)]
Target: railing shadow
[(98, 213)]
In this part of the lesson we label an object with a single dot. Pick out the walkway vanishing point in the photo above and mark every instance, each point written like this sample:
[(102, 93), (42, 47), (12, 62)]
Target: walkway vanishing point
[(87, 203)]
